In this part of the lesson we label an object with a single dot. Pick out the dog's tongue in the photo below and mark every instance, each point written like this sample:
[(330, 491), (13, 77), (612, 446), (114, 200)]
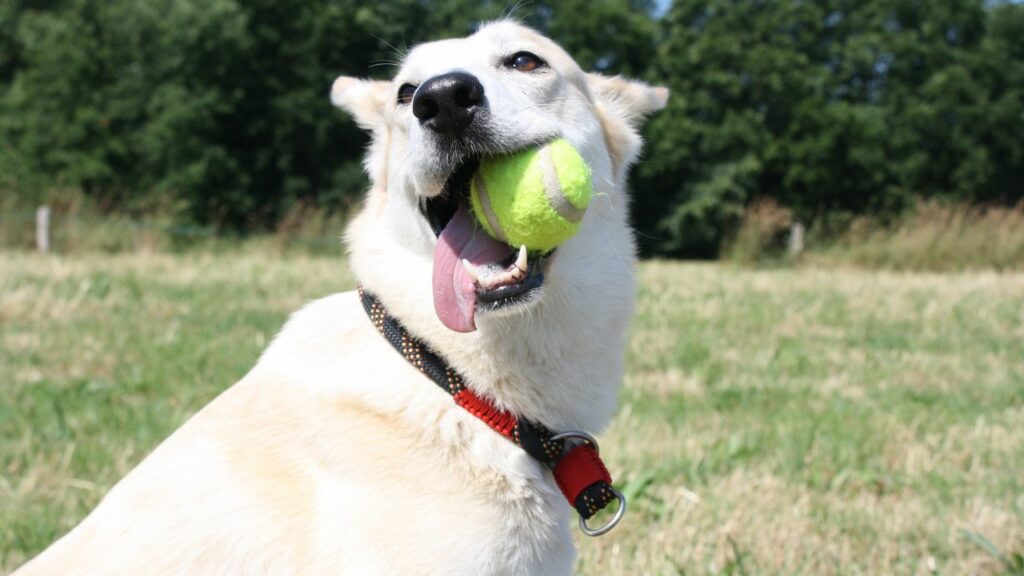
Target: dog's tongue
[(454, 290)]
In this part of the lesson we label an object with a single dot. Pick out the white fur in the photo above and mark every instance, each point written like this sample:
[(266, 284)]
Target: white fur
[(334, 455)]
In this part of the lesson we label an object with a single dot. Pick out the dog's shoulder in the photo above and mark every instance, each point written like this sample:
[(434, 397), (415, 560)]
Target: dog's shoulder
[(322, 328), (328, 346)]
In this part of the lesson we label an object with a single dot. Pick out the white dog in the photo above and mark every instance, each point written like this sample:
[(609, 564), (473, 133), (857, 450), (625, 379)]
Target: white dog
[(335, 454)]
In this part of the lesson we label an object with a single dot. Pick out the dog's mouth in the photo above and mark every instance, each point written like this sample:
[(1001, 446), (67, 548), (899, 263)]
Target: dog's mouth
[(472, 271)]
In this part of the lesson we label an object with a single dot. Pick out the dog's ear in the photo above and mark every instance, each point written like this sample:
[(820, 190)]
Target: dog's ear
[(629, 99), (365, 100), (621, 106)]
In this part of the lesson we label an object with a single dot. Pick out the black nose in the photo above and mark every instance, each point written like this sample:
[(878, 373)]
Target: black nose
[(447, 103)]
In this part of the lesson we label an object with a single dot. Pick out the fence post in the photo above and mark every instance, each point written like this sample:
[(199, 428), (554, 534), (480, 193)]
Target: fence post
[(43, 229), (796, 239)]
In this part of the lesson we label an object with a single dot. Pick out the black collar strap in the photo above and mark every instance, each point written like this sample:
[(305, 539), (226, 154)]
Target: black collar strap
[(577, 468)]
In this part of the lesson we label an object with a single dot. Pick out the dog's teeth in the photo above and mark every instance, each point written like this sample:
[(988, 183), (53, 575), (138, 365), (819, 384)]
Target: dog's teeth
[(490, 277), (521, 261), (471, 270)]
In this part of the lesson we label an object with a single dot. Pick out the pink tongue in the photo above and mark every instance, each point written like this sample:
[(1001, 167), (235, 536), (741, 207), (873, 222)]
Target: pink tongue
[(454, 292)]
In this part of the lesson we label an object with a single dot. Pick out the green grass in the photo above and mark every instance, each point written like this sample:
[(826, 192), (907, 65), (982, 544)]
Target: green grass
[(772, 422)]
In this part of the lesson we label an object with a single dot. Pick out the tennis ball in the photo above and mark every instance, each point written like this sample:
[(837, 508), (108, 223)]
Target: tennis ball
[(535, 197)]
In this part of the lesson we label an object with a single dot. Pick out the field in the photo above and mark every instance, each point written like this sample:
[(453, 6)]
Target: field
[(787, 421)]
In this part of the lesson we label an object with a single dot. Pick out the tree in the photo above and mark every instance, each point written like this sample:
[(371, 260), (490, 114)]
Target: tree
[(738, 72), (831, 108), (218, 109)]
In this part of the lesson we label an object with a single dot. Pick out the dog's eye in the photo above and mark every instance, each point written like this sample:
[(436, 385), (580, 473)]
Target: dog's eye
[(405, 93), (524, 62)]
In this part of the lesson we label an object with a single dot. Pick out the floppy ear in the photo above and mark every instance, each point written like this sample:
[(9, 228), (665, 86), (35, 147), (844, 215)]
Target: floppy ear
[(621, 106), (365, 100)]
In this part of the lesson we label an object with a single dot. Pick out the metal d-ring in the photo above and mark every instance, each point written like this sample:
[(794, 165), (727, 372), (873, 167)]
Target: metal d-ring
[(611, 523), (577, 434), (618, 495)]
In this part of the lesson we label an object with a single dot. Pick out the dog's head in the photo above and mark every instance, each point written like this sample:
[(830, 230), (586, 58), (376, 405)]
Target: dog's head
[(503, 89)]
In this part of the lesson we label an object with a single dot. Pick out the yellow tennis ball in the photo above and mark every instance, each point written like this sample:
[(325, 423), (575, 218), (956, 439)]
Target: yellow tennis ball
[(535, 197)]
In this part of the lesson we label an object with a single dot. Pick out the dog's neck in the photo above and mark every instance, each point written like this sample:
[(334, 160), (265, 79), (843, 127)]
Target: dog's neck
[(559, 362)]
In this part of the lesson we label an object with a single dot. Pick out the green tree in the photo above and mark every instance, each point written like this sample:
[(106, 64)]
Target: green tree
[(1002, 53), (219, 109), (109, 91), (737, 72), (837, 107)]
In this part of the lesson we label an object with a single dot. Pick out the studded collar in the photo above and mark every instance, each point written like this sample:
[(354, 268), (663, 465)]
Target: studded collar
[(577, 467)]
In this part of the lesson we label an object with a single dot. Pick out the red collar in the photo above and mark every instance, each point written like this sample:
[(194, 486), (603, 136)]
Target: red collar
[(577, 467)]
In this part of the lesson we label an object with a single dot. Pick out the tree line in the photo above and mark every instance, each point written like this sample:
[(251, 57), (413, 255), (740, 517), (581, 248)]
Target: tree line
[(217, 110)]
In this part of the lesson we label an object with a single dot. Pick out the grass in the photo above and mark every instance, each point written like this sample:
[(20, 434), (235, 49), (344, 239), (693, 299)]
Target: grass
[(788, 421), (933, 236)]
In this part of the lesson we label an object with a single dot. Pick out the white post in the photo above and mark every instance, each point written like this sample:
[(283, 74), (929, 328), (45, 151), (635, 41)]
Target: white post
[(43, 229), (796, 239)]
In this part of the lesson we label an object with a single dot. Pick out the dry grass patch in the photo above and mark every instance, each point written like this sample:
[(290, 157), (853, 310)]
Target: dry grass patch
[(935, 236)]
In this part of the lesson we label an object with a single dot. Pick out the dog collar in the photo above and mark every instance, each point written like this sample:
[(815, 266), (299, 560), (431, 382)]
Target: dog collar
[(577, 467)]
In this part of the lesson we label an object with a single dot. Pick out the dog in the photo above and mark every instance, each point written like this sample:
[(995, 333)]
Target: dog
[(335, 454)]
